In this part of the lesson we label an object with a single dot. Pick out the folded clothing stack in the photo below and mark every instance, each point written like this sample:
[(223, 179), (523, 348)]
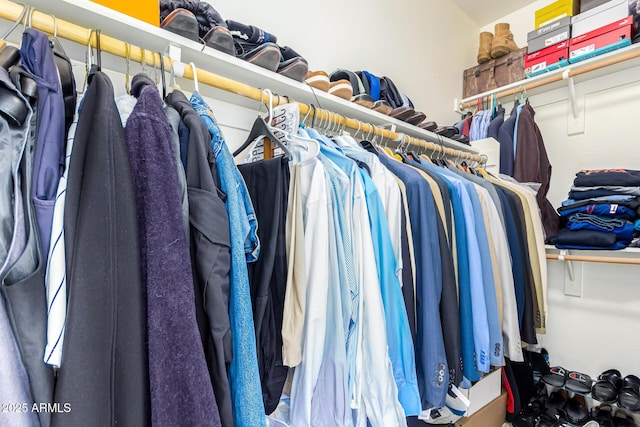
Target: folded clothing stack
[(602, 211)]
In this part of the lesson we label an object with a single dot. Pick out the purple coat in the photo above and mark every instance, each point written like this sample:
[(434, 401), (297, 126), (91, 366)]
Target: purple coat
[(181, 390)]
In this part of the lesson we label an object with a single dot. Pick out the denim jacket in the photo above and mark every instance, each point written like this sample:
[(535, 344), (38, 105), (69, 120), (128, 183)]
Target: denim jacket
[(244, 378)]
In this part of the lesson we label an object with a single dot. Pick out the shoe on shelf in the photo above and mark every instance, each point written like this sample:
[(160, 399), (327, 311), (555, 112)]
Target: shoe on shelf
[(382, 106), (484, 50), (341, 89), (182, 22), (250, 33), (266, 55), (292, 64), (209, 25), (318, 80), (220, 39), (502, 42)]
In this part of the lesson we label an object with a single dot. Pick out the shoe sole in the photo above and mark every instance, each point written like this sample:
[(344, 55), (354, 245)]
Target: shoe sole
[(416, 119), (296, 69), (319, 81), (364, 100), (382, 108), (183, 24), (342, 90), (221, 40), (264, 56)]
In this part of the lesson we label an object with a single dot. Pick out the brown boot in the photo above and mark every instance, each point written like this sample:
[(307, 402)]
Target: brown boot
[(484, 51), (502, 41)]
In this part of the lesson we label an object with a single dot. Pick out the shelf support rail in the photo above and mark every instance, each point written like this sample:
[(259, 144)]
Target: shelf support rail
[(64, 29), (586, 258)]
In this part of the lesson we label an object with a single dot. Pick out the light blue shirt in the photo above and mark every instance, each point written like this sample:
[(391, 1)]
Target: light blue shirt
[(515, 130), (399, 339), (343, 194), (244, 378)]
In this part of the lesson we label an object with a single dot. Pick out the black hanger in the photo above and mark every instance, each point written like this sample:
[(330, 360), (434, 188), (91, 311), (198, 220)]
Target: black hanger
[(367, 145), (164, 81), (67, 81), (260, 130)]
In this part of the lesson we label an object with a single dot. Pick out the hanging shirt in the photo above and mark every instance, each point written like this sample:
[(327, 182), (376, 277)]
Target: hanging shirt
[(55, 279), (323, 356), (505, 138), (388, 190), (515, 130), (374, 376), (244, 378)]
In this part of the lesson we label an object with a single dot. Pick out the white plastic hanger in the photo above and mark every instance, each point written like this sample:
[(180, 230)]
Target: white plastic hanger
[(196, 87)]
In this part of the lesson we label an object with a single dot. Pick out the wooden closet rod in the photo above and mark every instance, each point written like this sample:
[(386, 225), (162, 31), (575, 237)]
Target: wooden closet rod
[(11, 11), (585, 258), (572, 72)]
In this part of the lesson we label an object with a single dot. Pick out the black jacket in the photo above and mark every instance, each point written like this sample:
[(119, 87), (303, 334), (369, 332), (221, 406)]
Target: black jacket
[(104, 372), (210, 253)]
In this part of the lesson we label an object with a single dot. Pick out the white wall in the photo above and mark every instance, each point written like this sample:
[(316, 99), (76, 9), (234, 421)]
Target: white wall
[(522, 21), (423, 45), (597, 330)]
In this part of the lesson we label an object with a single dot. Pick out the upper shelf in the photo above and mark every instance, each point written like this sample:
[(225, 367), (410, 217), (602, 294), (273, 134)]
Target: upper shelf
[(142, 34), (611, 62)]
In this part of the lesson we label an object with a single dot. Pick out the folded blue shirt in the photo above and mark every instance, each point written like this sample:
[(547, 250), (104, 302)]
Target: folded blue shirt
[(611, 210), (616, 198), (623, 229)]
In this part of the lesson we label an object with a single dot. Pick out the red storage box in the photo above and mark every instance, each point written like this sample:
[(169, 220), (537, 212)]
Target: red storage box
[(548, 56), (615, 35)]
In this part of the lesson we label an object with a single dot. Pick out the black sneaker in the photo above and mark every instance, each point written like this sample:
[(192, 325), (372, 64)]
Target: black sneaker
[(182, 22)]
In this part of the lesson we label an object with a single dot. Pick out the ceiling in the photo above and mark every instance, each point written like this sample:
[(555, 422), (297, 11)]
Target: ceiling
[(484, 12)]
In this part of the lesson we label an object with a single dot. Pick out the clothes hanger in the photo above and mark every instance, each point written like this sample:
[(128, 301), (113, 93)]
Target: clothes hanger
[(261, 130), (10, 55), (194, 71), (163, 76), (127, 61), (95, 67)]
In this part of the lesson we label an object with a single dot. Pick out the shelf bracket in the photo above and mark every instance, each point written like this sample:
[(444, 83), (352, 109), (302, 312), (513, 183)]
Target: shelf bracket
[(572, 92), (572, 276), (576, 121)]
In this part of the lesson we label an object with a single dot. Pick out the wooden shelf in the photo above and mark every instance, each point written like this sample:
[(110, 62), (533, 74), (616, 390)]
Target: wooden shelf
[(112, 23)]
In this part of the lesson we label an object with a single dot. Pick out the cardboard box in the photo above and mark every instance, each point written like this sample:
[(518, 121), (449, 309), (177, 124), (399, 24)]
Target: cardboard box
[(548, 59), (556, 10), (484, 391), (549, 35), (492, 415), (598, 17), (144, 10), (610, 37), (590, 4)]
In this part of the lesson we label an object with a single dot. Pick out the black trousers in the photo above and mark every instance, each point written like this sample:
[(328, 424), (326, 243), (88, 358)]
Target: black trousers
[(268, 185)]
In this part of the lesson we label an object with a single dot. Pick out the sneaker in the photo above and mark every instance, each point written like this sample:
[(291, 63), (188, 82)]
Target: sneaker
[(342, 89), (265, 55), (220, 39), (318, 80), (292, 64), (183, 23)]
